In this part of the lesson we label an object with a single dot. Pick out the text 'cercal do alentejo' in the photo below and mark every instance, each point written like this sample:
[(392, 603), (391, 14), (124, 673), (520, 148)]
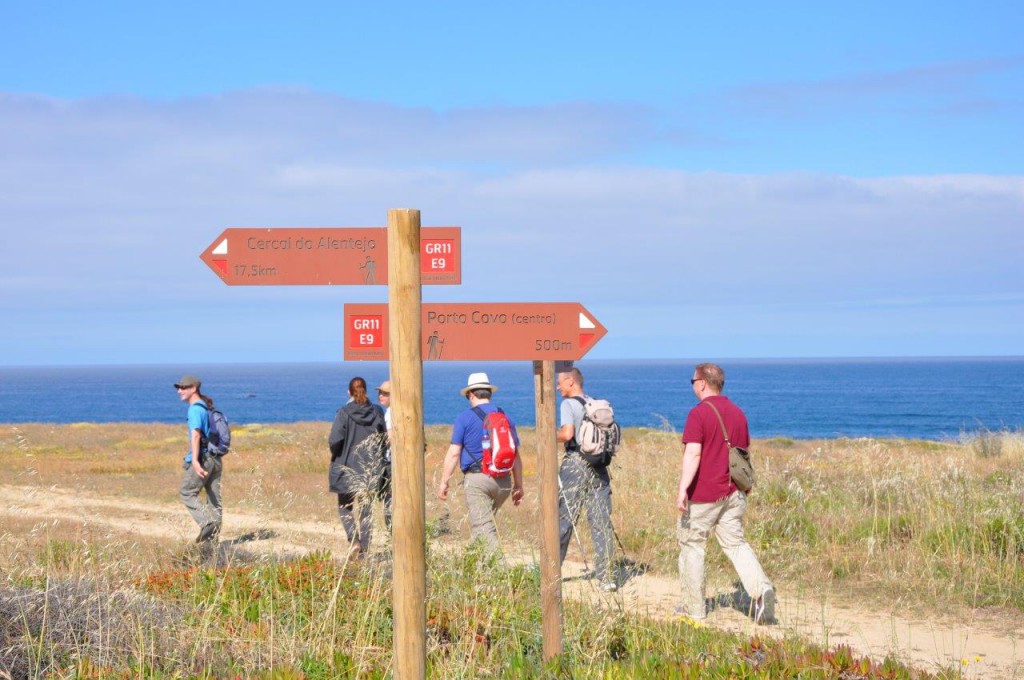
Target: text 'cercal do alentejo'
[(322, 243)]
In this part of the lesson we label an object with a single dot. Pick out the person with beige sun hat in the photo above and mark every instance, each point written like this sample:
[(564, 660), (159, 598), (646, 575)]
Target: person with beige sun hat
[(485, 491)]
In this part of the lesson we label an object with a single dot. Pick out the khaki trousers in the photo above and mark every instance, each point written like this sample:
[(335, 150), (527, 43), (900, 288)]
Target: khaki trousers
[(484, 496), (725, 517), (191, 484)]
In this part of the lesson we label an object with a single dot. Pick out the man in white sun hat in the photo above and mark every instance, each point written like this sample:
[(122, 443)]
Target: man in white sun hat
[(488, 482)]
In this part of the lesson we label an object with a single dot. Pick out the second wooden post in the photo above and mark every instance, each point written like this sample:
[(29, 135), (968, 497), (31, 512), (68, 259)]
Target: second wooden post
[(407, 445), (547, 470)]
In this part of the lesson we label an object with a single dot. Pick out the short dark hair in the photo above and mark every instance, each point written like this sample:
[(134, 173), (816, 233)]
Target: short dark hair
[(479, 393), (576, 376)]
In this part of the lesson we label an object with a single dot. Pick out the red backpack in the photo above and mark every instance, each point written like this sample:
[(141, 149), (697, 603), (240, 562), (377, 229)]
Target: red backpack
[(499, 448)]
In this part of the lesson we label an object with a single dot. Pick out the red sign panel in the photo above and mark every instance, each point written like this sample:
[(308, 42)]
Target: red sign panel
[(326, 256), (493, 331)]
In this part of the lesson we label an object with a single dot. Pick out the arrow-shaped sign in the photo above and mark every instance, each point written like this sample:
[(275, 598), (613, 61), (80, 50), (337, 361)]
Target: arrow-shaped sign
[(311, 256), (493, 331)]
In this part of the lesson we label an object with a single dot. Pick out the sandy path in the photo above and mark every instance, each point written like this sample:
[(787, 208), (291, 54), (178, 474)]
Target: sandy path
[(989, 645)]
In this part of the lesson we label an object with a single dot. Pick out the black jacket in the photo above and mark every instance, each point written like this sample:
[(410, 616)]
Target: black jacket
[(357, 441)]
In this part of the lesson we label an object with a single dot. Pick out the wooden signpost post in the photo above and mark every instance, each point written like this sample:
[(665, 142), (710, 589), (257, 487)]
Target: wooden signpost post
[(547, 471), (409, 517)]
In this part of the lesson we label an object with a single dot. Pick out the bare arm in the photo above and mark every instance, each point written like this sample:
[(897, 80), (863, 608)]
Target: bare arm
[(691, 461), (197, 439), (565, 433), (517, 481), (451, 461)]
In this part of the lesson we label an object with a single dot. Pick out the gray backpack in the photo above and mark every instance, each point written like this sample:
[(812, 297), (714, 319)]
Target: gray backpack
[(219, 441), (599, 437)]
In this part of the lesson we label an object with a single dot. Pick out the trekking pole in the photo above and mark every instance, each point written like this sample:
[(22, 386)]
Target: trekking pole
[(618, 540)]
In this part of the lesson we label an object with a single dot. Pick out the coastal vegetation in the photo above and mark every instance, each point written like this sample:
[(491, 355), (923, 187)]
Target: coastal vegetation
[(107, 585)]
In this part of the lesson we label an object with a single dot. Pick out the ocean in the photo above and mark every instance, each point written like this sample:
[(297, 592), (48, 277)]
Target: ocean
[(920, 398)]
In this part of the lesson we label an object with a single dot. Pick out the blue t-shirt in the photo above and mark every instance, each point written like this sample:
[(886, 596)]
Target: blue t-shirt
[(198, 419), (469, 431)]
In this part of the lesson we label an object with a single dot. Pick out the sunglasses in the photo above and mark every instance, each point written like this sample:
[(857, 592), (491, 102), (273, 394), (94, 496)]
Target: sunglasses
[(383, 393), (693, 380), (183, 387)]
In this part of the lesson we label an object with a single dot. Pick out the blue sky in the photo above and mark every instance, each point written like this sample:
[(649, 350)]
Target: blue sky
[(789, 180)]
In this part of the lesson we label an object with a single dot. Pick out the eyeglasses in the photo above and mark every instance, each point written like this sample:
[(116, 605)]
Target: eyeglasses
[(693, 380), (382, 393)]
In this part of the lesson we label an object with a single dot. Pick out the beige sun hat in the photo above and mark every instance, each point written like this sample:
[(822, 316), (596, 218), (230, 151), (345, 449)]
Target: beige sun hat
[(385, 387), (478, 381)]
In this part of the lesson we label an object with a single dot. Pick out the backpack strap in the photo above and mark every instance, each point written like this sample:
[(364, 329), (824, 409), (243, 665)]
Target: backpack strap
[(483, 416), (204, 440), (725, 433), (573, 444), (483, 419)]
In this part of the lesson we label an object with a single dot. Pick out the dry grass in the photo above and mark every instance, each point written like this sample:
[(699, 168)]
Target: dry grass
[(871, 516), (933, 526)]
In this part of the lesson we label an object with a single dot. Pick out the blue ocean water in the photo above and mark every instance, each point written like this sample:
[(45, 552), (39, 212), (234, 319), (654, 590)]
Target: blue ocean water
[(926, 398)]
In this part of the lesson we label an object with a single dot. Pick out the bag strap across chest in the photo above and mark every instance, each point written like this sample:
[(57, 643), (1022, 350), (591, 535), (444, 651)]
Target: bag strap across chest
[(725, 433)]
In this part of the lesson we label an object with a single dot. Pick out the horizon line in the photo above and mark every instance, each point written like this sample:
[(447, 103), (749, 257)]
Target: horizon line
[(880, 357)]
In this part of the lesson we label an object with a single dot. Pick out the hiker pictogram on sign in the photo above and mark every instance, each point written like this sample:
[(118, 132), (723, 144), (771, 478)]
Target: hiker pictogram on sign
[(435, 345)]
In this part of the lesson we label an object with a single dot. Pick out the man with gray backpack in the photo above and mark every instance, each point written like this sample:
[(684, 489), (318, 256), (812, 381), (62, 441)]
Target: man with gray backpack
[(591, 437)]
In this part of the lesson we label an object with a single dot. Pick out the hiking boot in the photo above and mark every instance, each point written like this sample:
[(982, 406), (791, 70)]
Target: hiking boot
[(208, 533), (609, 586), (764, 608)]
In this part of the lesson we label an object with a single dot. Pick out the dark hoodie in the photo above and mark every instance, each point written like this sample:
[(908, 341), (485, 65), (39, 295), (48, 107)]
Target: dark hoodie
[(357, 442)]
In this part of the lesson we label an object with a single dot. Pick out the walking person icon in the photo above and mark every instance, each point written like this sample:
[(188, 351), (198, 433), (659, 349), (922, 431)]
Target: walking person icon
[(371, 271), (435, 344)]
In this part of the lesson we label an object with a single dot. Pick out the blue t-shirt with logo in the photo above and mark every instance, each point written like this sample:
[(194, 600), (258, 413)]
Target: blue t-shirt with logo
[(469, 432), (198, 419)]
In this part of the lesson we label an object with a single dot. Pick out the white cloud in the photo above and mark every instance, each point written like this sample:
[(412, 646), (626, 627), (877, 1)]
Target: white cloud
[(950, 87), (105, 205)]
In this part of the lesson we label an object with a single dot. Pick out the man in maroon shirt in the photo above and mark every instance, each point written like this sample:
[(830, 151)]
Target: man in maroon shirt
[(708, 500)]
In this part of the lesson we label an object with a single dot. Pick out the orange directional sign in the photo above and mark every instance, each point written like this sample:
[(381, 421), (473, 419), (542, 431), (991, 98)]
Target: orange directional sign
[(494, 331), (325, 256)]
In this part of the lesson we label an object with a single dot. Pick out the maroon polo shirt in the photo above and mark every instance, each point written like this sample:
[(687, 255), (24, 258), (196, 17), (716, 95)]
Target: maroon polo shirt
[(712, 481)]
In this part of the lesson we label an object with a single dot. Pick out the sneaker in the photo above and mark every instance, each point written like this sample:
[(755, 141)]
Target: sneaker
[(609, 586), (208, 533), (764, 608)]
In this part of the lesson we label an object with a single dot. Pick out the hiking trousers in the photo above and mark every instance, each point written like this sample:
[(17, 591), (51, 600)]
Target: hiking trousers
[(204, 514), (725, 518), (385, 495), (357, 530), (484, 496), (581, 487)]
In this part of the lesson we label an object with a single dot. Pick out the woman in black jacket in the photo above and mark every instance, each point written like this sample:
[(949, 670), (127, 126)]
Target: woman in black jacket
[(357, 441)]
